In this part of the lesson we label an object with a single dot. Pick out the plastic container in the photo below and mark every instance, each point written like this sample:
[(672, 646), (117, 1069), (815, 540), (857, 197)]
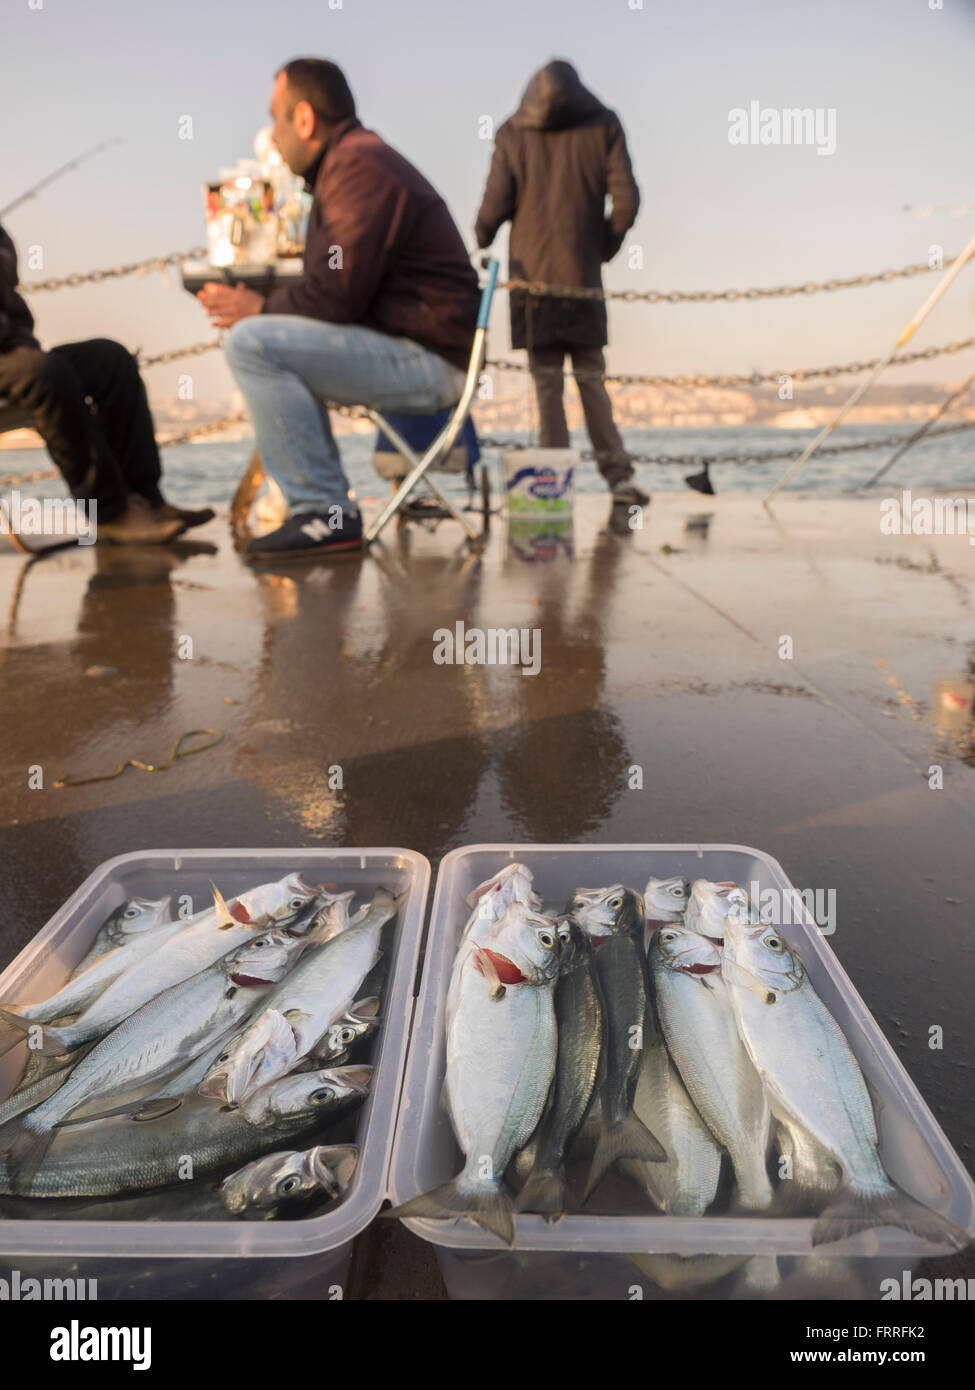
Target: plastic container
[(539, 481), (221, 1259), (652, 1255)]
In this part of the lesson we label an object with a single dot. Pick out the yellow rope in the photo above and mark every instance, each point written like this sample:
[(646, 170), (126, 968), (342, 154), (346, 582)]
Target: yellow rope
[(68, 781)]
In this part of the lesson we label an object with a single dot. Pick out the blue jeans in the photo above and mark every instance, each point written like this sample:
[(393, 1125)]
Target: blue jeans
[(288, 367)]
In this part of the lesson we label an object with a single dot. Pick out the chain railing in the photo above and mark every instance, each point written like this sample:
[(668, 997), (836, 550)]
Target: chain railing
[(114, 272), (540, 289)]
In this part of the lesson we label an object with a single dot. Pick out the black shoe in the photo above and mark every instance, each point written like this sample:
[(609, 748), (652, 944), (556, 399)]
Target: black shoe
[(626, 491), (309, 533)]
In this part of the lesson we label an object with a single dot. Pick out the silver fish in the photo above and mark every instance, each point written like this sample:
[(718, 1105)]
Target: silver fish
[(709, 905), (698, 1023), (196, 944), (132, 918), (501, 1048), (265, 1050), (107, 1157), (320, 989), (613, 919), (357, 1024), (161, 1037), (664, 900), (814, 1082), (259, 1190), (687, 1183)]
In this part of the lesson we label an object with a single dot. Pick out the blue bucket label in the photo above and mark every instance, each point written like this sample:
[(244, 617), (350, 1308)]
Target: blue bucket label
[(546, 483)]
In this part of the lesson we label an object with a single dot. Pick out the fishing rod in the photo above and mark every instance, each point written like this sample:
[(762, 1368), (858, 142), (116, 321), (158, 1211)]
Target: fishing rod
[(64, 169)]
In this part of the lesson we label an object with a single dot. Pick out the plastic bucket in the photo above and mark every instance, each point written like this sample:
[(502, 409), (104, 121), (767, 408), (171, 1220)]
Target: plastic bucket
[(539, 481)]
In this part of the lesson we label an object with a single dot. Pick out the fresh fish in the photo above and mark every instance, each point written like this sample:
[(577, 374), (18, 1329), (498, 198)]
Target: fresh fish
[(316, 994), (512, 884), (170, 1095), (687, 1183), (161, 1037), (579, 1018), (664, 900), (815, 1084), (332, 919), (259, 1190), (132, 918), (698, 1023), (196, 945), (260, 1054), (26, 1097), (811, 1175), (348, 1036), (85, 986), (613, 919), (501, 1049), (107, 1157), (709, 905)]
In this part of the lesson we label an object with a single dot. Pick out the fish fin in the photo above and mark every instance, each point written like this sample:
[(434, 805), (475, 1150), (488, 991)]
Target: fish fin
[(793, 1200), (224, 919), (156, 1109), (543, 1194), (12, 1030), (496, 989), (53, 1041), (630, 1138), (25, 1156), (490, 1208), (853, 1212)]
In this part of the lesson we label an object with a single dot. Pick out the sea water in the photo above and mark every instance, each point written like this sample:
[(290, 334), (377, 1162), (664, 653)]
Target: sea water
[(208, 472)]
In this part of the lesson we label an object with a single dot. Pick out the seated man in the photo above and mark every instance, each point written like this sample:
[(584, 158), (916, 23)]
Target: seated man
[(384, 314), (108, 453)]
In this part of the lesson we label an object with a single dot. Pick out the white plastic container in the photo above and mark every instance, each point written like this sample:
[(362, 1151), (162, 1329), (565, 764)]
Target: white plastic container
[(539, 482), (222, 1259), (592, 1256)]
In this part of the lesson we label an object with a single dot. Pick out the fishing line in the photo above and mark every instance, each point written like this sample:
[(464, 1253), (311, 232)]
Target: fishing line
[(177, 752)]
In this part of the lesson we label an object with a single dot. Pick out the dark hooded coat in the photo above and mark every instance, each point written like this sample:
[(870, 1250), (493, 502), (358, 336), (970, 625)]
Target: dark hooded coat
[(555, 160)]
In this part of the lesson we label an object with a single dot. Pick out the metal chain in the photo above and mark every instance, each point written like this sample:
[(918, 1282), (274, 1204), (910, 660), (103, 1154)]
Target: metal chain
[(759, 456), (115, 272), (538, 288), (174, 354), (738, 379)]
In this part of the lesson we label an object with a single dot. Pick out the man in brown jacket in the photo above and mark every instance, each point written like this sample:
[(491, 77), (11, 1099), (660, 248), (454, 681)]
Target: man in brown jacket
[(384, 314), (555, 161)]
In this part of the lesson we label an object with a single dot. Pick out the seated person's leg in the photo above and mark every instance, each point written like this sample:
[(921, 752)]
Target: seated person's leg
[(110, 375), (47, 385), (287, 366)]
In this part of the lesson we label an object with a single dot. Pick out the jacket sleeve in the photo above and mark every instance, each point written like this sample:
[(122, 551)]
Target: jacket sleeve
[(360, 227), (622, 188), (498, 202), (16, 320)]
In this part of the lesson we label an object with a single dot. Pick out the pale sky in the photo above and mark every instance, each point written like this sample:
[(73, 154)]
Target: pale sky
[(897, 73)]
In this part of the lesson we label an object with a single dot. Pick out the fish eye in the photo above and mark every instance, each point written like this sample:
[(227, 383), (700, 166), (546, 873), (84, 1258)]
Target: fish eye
[(615, 902), (773, 943), (564, 933), (347, 1035), (131, 912), (668, 936), (546, 938), (322, 1096), (289, 1184), (678, 892), (296, 903)]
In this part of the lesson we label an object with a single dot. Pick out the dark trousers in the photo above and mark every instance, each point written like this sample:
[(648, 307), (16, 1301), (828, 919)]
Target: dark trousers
[(89, 405), (589, 366)]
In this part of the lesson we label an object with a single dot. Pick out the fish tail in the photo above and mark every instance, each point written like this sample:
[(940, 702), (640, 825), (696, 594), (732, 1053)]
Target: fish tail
[(543, 1194), (12, 1029), (489, 1207), (25, 1156), (629, 1138), (855, 1211)]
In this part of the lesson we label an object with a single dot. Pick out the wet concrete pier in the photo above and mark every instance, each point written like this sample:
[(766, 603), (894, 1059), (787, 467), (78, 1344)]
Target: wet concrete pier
[(803, 684)]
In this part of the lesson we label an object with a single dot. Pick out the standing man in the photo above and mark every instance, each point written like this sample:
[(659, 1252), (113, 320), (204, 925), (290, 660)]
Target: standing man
[(88, 404), (384, 314), (555, 161)]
